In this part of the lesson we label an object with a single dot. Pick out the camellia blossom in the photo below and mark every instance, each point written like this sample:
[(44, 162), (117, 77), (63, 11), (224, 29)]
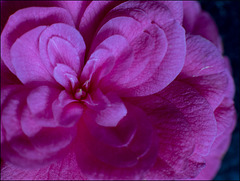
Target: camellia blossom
[(113, 90)]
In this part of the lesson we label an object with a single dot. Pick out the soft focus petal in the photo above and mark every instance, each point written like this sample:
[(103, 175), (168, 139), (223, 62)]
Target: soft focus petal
[(61, 170), (198, 22), (101, 160)]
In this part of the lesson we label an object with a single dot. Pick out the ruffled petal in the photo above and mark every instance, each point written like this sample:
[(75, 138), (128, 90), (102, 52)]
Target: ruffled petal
[(92, 17), (61, 43), (205, 70), (25, 58), (32, 137), (141, 27), (25, 20)]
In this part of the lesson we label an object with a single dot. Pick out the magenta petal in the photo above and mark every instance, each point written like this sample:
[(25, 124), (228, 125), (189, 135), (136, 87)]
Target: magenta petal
[(109, 108), (205, 70), (92, 17), (65, 76), (204, 131), (26, 19), (176, 8), (61, 43), (170, 66), (75, 8), (137, 154), (25, 58), (225, 115), (60, 170), (191, 9), (66, 110)]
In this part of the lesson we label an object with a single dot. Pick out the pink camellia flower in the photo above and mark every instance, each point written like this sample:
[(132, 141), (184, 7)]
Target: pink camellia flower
[(113, 90)]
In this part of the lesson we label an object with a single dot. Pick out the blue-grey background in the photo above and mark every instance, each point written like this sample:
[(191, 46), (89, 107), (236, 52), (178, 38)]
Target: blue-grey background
[(226, 16)]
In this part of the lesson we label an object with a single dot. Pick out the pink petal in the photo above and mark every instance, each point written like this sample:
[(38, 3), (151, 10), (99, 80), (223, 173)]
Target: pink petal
[(190, 107), (225, 115), (136, 26), (75, 8), (203, 125), (109, 108), (205, 70), (26, 60), (198, 22), (176, 8), (92, 17), (60, 170), (103, 160), (65, 76), (169, 68), (26, 19), (61, 43), (191, 9)]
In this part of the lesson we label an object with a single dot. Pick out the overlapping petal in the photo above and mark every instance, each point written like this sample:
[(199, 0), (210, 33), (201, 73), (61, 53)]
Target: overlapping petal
[(205, 70), (27, 19)]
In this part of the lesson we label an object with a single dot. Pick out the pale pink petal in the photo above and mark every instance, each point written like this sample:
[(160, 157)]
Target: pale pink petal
[(25, 58), (60, 170), (205, 70), (26, 19), (61, 43)]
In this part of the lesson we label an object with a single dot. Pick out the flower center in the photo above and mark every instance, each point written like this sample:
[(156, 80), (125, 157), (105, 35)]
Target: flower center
[(80, 94)]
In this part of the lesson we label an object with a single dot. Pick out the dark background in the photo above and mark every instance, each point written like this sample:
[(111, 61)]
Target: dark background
[(226, 16)]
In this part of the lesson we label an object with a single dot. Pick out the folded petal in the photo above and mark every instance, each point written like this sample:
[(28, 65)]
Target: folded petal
[(109, 108), (75, 8), (61, 43), (198, 22), (93, 14), (205, 70), (25, 58), (25, 20), (32, 136), (141, 27)]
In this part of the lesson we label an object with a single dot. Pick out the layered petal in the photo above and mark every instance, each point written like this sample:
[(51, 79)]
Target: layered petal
[(205, 70), (186, 127), (61, 43), (25, 20), (32, 137), (119, 159), (198, 22), (141, 27)]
